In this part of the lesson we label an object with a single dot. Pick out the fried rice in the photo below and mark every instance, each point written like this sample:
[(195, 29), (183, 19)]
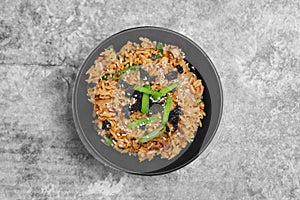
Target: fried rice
[(117, 102)]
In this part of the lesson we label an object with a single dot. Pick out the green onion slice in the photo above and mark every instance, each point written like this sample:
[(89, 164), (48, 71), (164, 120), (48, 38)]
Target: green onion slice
[(121, 73), (145, 101), (153, 134), (104, 77), (156, 57), (142, 121), (146, 90), (166, 90), (167, 110), (108, 141), (110, 47), (160, 47)]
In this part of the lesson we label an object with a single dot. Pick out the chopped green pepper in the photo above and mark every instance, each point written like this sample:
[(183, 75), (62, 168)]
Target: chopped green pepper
[(108, 141), (145, 101), (156, 57), (121, 73), (160, 47), (167, 110), (142, 121), (153, 134), (146, 90), (165, 90)]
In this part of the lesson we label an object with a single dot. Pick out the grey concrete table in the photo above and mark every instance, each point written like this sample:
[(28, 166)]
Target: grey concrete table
[(255, 46)]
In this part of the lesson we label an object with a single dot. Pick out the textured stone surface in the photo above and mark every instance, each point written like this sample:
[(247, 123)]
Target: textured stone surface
[(255, 46)]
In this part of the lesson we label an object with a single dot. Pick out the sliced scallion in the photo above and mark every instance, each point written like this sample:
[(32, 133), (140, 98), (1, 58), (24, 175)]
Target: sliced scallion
[(146, 90), (156, 57), (142, 121), (153, 134), (108, 141), (160, 47), (145, 101), (167, 110), (166, 90), (121, 73), (104, 77), (110, 47)]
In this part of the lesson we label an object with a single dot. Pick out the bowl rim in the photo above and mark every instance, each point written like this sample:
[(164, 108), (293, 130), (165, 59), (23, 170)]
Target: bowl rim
[(80, 131)]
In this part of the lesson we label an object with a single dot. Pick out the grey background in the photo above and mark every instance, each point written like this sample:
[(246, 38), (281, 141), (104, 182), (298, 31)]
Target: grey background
[(255, 46)]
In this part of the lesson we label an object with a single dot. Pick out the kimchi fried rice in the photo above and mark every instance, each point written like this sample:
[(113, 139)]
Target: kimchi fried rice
[(147, 101)]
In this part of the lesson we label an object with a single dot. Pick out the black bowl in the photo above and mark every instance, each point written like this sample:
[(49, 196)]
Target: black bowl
[(83, 109)]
